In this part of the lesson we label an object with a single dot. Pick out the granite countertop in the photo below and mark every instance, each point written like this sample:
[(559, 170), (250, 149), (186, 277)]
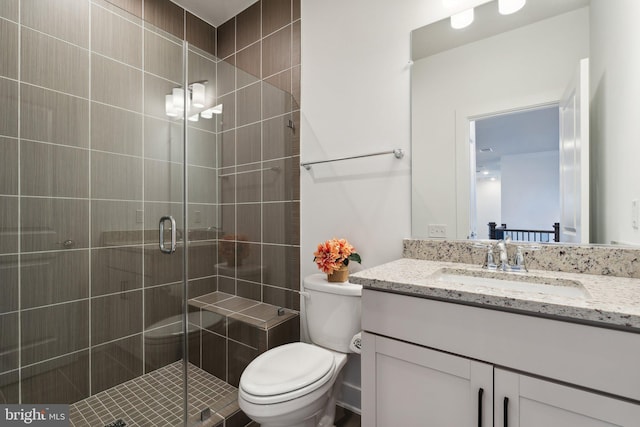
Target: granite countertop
[(609, 301)]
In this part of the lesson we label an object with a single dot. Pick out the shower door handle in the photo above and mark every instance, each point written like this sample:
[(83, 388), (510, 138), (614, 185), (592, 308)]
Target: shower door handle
[(172, 248)]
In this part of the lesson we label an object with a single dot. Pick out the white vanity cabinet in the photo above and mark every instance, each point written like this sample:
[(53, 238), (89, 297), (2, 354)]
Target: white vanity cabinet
[(424, 363)]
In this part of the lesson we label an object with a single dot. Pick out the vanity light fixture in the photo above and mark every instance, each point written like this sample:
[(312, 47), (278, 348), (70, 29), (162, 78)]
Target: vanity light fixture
[(507, 7), (462, 19)]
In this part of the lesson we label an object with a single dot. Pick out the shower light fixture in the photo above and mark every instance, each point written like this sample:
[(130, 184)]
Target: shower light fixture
[(178, 99), (197, 95), (462, 19), (169, 108), (174, 102), (209, 112), (507, 7)]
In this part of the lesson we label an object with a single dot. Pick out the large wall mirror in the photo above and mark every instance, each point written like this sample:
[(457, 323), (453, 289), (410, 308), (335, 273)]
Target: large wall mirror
[(529, 120)]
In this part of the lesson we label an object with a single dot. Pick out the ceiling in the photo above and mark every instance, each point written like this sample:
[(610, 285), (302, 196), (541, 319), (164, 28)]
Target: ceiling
[(215, 12), (528, 131)]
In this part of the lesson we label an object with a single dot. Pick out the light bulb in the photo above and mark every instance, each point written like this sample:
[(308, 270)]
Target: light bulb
[(462, 19), (178, 99), (197, 95), (169, 108), (507, 7)]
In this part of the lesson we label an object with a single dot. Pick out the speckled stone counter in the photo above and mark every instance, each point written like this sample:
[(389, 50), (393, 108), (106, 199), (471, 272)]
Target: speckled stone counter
[(609, 301), (618, 261)]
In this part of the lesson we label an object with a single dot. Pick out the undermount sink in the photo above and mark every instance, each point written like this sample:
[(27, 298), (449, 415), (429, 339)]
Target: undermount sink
[(512, 282)]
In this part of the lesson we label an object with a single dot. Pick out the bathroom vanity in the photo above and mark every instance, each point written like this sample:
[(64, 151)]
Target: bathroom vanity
[(475, 353)]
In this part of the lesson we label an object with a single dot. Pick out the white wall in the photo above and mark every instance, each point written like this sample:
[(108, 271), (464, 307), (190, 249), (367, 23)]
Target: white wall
[(488, 205), (356, 100), (530, 190), (524, 67), (615, 124)]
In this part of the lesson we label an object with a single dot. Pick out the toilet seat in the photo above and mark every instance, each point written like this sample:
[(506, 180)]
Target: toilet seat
[(286, 372)]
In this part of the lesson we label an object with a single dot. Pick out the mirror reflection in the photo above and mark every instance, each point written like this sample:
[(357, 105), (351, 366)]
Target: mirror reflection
[(576, 55), (515, 175)]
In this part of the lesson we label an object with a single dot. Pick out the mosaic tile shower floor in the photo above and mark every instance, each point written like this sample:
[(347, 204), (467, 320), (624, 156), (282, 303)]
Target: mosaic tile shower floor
[(155, 399)]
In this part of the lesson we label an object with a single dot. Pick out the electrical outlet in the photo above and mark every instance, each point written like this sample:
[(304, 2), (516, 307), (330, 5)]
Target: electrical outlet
[(635, 218), (438, 231), (197, 217), (139, 216)]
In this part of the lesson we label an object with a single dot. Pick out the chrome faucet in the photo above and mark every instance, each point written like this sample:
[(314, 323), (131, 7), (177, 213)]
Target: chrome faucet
[(504, 255), (501, 261)]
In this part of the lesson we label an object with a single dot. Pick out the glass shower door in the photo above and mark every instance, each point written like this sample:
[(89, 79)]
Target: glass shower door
[(91, 312)]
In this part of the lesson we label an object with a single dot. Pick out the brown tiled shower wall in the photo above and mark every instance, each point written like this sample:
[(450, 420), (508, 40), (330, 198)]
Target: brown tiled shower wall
[(83, 288), (260, 151)]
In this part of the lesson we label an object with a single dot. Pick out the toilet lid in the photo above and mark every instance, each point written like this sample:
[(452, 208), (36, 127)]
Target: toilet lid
[(287, 368)]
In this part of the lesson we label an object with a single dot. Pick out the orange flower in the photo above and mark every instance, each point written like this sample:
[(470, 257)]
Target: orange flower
[(333, 254)]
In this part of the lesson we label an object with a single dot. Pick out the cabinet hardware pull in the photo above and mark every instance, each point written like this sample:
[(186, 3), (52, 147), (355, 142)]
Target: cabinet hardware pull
[(480, 393), (506, 411)]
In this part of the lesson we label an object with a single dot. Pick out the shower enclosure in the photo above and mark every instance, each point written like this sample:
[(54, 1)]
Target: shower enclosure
[(133, 284)]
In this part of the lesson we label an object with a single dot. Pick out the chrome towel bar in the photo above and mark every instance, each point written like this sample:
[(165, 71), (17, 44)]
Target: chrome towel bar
[(398, 153)]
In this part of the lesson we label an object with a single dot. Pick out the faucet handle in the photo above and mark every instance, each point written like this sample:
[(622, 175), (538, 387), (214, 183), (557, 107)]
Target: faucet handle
[(520, 259), (488, 261)]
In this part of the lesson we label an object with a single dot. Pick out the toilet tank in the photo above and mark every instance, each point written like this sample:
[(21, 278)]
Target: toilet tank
[(333, 312)]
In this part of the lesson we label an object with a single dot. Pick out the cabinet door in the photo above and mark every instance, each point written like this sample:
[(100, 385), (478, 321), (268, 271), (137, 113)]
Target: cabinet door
[(408, 385), (532, 402)]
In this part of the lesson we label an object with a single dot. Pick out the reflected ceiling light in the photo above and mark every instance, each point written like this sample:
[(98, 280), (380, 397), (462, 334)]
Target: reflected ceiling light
[(217, 109), (507, 7), (194, 118), (462, 19), (197, 95)]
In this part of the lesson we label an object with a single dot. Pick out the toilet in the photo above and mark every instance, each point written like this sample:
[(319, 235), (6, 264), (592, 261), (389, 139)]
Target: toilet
[(295, 384)]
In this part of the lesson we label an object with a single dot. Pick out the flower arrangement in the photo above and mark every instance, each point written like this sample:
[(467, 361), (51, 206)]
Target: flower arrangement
[(334, 254), (229, 251)]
